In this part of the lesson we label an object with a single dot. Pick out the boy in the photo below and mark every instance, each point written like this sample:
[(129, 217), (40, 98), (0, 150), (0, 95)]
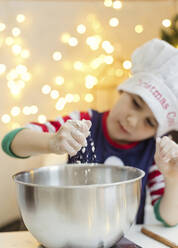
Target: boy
[(147, 108)]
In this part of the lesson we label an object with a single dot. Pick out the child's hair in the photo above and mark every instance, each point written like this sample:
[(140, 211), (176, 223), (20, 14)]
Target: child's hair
[(155, 80)]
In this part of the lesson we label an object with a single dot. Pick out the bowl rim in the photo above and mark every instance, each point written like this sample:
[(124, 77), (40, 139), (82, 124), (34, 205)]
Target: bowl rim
[(90, 165)]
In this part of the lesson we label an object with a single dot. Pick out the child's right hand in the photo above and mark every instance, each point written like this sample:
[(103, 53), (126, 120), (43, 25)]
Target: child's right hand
[(70, 138)]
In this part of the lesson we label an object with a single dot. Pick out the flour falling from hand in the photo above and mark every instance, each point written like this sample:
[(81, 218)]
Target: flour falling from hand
[(86, 154)]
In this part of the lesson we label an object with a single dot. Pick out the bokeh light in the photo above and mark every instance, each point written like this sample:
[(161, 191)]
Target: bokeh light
[(166, 23), (20, 18)]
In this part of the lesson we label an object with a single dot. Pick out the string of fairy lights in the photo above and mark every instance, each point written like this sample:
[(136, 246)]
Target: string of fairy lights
[(18, 76)]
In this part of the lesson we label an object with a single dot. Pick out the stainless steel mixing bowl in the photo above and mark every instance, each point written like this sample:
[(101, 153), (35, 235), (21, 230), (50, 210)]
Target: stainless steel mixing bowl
[(81, 206)]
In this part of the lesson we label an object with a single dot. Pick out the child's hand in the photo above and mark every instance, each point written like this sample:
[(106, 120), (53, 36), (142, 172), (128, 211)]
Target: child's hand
[(166, 157), (70, 138)]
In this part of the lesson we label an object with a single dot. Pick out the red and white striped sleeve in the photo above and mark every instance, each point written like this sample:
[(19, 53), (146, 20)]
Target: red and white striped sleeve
[(53, 126), (156, 183)]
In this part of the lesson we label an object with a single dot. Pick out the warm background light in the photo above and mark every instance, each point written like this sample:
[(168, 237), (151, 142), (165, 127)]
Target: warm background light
[(60, 103), (20, 18), (9, 41), (16, 49), (166, 23), (54, 94), (81, 29), (57, 56), (117, 4), (114, 22), (139, 29), (42, 118), (46, 89), (108, 3), (2, 27), (73, 41), (16, 32), (15, 111), (6, 118), (127, 64), (65, 37), (25, 54), (2, 68), (59, 80)]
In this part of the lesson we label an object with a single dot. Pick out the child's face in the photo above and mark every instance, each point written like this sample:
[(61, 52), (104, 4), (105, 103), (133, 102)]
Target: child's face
[(131, 120)]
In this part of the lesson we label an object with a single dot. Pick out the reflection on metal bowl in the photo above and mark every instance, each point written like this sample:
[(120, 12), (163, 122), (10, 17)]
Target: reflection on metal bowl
[(79, 205)]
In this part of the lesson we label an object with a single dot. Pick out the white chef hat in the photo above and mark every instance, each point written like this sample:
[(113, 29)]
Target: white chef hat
[(155, 80)]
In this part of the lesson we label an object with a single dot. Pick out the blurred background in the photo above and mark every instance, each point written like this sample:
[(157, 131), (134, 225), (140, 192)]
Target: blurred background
[(64, 55)]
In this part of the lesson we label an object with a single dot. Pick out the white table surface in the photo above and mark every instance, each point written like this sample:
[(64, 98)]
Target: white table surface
[(25, 239)]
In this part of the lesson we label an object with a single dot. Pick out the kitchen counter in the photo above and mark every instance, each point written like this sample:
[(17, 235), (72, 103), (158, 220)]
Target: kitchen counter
[(25, 239)]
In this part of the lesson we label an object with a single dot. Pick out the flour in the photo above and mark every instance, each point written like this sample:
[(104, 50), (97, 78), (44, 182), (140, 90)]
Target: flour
[(83, 150), (86, 154)]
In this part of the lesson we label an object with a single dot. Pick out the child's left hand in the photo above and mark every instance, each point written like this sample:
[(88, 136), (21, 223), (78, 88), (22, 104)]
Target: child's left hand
[(166, 157)]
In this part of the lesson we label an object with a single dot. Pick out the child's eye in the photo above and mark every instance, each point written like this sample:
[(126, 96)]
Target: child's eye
[(136, 104), (150, 123)]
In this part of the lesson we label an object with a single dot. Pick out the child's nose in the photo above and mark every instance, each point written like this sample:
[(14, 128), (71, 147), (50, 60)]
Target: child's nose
[(132, 121)]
